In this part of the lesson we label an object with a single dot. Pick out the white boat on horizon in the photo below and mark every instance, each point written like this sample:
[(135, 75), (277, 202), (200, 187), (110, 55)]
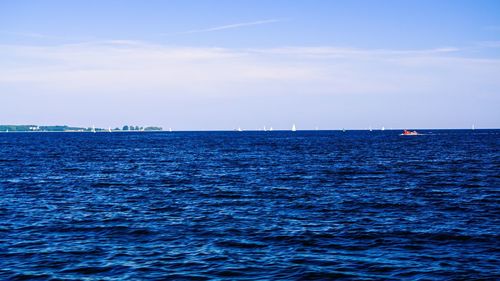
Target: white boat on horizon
[(294, 128)]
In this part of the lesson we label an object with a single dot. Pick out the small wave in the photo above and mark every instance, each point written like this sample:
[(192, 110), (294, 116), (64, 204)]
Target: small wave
[(89, 270), (240, 244)]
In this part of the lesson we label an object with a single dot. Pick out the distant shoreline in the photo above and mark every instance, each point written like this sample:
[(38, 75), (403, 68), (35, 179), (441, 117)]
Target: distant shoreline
[(72, 129), (157, 131)]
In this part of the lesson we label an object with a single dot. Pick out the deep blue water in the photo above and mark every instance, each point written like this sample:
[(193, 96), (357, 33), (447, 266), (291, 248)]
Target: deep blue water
[(250, 206)]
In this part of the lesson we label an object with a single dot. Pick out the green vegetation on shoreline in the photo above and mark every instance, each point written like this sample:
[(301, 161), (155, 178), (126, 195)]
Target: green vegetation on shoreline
[(65, 128)]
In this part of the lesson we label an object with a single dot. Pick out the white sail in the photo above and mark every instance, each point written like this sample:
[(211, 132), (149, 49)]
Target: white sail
[(383, 128), (93, 129), (294, 128), (473, 127)]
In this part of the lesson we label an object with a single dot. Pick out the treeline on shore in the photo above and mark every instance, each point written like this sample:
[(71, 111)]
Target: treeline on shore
[(64, 128)]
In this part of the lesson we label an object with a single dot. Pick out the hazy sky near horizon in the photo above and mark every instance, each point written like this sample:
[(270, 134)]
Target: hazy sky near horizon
[(203, 65)]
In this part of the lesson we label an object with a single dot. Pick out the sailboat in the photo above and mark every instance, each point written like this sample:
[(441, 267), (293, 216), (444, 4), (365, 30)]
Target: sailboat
[(170, 130), (383, 128), (109, 129), (473, 127), (370, 128), (271, 129), (239, 129), (93, 129), (294, 128)]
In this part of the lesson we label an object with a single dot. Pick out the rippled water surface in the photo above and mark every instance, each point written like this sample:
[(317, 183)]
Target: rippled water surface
[(250, 206)]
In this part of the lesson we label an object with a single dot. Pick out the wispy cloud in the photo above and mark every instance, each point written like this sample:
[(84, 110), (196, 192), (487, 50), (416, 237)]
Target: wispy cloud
[(327, 52), (25, 34), (115, 77), (105, 64), (40, 36), (230, 26)]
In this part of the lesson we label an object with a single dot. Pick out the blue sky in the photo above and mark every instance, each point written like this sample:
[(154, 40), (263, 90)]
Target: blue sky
[(194, 65)]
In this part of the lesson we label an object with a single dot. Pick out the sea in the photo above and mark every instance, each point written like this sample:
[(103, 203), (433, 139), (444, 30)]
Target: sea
[(280, 205)]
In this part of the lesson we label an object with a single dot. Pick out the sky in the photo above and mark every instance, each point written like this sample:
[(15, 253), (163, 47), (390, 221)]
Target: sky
[(220, 65)]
